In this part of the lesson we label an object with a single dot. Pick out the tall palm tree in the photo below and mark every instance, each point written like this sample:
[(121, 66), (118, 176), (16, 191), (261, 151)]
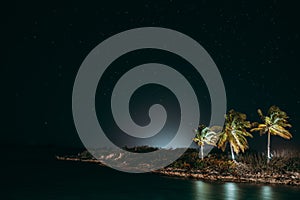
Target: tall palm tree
[(235, 133), (275, 124), (205, 135)]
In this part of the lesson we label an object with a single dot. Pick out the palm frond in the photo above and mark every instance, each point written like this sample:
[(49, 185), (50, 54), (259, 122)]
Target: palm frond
[(280, 131), (206, 135), (235, 132), (276, 123)]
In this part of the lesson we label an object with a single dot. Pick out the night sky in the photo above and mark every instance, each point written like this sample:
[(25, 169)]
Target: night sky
[(254, 44)]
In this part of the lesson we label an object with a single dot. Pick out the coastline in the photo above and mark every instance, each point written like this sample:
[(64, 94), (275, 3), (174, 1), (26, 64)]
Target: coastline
[(289, 178)]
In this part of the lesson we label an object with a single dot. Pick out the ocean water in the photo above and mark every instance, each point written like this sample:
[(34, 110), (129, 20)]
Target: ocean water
[(35, 174)]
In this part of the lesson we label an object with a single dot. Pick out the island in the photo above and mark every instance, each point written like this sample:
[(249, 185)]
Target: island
[(243, 164), (251, 167)]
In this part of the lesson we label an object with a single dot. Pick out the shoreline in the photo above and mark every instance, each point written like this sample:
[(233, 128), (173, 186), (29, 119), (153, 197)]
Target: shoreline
[(277, 179), (290, 178)]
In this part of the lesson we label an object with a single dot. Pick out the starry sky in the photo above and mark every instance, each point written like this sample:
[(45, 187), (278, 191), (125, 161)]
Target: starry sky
[(255, 45)]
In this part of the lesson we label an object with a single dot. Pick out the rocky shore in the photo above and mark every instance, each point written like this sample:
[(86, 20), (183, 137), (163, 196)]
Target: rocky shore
[(291, 178)]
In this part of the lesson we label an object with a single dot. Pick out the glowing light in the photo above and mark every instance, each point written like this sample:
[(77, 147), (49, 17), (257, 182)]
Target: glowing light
[(266, 192), (231, 191), (202, 190)]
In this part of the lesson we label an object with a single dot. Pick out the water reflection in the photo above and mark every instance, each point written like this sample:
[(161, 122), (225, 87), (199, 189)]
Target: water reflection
[(202, 190), (266, 192), (231, 191)]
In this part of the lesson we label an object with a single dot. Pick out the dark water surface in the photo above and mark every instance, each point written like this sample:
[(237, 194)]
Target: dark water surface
[(35, 174)]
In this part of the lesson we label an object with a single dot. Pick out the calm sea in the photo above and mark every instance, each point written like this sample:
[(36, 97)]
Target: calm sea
[(35, 174)]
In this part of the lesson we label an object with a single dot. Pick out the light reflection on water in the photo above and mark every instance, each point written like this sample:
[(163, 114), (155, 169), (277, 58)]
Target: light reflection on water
[(233, 191), (266, 192), (202, 190)]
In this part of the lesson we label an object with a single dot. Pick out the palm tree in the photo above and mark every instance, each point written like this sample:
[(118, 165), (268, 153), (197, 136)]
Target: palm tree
[(275, 124), (205, 135), (235, 133)]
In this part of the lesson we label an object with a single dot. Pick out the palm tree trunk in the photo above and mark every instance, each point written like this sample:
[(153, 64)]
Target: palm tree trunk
[(232, 153), (269, 141), (201, 148)]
